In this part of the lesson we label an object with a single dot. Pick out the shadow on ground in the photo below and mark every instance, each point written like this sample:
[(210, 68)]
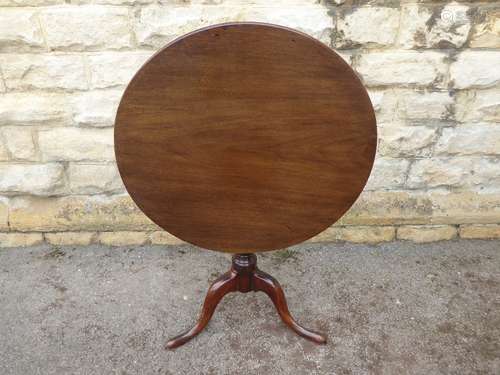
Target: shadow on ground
[(396, 308)]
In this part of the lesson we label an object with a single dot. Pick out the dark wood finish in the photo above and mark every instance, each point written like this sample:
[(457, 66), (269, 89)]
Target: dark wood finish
[(245, 137), (244, 276)]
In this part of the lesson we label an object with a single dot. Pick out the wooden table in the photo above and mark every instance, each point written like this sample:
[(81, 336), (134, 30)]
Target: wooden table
[(242, 138)]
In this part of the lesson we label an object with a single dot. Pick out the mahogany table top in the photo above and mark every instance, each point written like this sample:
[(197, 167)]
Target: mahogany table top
[(245, 137)]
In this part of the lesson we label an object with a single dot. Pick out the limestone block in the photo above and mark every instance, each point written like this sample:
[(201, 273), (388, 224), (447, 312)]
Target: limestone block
[(478, 105), (480, 231), (70, 238), (20, 31), (424, 105), (111, 69), (29, 3), (19, 142), (486, 32), (429, 173), (426, 233), (96, 108), (34, 109), (357, 234), (473, 173), (387, 173), (406, 141), (4, 214), (31, 71), (475, 69), (20, 239), (36, 179), (402, 68), (77, 213), (434, 27), (470, 139), (94, 178), (4, 152), (76, 144), (86, 27), (420, 207), (122, 238), (368, 26)]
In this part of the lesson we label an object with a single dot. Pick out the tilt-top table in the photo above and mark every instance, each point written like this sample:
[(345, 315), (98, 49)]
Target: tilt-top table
[(242, 138)]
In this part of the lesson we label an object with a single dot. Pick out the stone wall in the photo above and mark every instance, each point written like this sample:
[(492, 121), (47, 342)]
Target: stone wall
[(432, 69)]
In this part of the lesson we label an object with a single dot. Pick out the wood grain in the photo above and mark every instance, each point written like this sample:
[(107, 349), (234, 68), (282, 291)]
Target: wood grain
[(245, 137)]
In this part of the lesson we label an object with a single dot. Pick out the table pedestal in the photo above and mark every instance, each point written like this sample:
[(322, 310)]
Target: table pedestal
[(244, 276)]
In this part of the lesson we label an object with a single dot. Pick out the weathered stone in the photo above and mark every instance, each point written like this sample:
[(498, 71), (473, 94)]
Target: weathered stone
[(307, 16), (34, 109), (356, 234), (477, 173), (96, 108), (36, 179), (74, 28), (424, 105), (480, 231), (29, 3), (385, 103), (426, 233), (4, 153), (77, 213), (469, 140), (429, 173), (19, 142), (158, 24), (434, 27), (20, 239), (485, 175), (124, 2), (387, 174), (402, 68), (376, 97), (4, 214), (368, 26), (475, 69), (20, 31), (164, 238), (122, 238), (406, 141), (416, 207), (478, 105), (94, 179), (486, 32), (30, 71), (115, 68), (76, 144), (70, 238)]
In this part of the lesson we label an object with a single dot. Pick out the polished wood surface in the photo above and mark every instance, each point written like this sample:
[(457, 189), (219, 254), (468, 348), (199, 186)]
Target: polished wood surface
[(245, 137), (244, 276)]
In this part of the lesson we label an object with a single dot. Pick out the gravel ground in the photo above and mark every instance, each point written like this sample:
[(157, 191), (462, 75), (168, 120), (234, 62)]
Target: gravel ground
[(397, 308)]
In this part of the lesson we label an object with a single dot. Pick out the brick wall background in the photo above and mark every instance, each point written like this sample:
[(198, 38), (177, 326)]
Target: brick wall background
[(432, 69)]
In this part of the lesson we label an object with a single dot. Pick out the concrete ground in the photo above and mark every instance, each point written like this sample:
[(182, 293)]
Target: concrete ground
[(396, 308)]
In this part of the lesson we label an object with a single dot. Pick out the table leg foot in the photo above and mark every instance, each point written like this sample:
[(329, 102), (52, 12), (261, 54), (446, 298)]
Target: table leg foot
[(269, 285), (223, 285)]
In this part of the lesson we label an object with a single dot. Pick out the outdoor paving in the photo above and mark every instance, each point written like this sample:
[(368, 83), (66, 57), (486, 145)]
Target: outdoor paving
[(396, 308)]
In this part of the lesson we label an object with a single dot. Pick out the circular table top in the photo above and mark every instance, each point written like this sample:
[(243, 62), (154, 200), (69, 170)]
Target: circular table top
[(245, 137)]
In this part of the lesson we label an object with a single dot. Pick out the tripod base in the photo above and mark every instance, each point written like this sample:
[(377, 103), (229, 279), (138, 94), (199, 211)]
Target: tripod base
[(244, 276)]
